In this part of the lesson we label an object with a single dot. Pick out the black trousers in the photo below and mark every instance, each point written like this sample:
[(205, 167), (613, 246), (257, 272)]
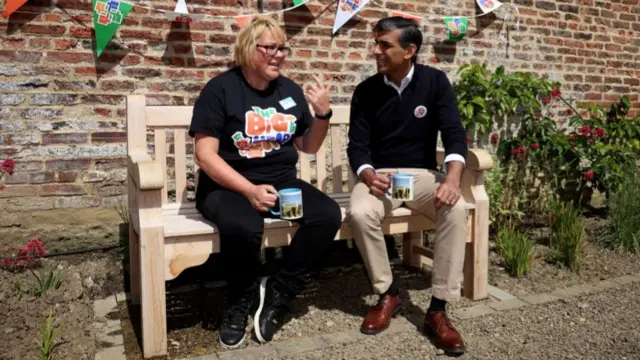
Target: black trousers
[(241, 228)]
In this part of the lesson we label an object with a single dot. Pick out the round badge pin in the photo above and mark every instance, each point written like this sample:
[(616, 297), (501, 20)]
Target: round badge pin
[(420, 111)]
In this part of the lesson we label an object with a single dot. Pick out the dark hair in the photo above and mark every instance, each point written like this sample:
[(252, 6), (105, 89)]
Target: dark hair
[(409, 31)]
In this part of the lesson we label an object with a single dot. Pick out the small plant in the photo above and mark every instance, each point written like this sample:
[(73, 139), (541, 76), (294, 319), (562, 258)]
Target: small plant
[(47, 280), (623, 231), (22, 258), (6, 167), (567, 235), (517, 250), (47, 344)]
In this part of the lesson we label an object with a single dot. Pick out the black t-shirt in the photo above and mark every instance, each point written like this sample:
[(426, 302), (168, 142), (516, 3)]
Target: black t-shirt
[(256, 128)]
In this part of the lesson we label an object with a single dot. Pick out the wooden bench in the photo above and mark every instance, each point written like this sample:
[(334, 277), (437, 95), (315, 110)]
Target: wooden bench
[(166, 237)]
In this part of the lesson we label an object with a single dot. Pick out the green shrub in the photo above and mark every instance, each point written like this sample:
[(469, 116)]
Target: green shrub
[(517, 250), (623, 230), (567, 235)]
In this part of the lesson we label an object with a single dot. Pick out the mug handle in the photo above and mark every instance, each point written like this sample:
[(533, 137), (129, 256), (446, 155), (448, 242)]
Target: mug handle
[(273, 212)]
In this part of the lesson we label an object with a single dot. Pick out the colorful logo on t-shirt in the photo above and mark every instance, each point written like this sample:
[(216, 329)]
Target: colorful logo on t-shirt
[(265, 130)]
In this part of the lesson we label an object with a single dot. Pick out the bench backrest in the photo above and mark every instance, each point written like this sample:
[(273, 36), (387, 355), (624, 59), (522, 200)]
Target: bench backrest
[(162, 131)]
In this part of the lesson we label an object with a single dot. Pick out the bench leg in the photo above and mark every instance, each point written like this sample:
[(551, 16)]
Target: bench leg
[(476, 262), (410, 257), (152, 292), (134, 265)]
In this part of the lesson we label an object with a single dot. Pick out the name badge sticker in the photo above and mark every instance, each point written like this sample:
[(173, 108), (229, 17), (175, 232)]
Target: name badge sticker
[(287, 103)]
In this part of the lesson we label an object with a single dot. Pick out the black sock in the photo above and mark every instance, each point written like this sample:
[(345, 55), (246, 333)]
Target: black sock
[(393, 290), (436, 305)]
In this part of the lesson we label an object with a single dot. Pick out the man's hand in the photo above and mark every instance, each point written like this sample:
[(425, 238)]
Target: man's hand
[(262, 197), (377, 183), (448, 193)]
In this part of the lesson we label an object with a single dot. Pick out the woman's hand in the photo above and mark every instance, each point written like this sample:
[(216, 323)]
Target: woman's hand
[(318, 96), (262, 197)]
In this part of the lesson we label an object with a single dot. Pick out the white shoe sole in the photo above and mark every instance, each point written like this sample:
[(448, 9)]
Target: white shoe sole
[(231, 347), (256, 317)]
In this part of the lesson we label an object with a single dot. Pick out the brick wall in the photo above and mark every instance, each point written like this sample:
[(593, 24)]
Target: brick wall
[(62, 111)]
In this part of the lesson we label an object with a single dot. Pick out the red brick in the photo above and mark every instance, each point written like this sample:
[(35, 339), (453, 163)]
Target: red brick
[(67, 176), (49, 30), (112, 136), (61, 189), (69, 57), (64, 138)]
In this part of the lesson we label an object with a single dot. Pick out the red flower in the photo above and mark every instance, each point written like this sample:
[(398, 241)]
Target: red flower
[(523, 132), (556, 92), (469, 140), (535, 146), (1, 187), (573, 136), (495, 138), (588, 175), (546, 100), (8, 166), (569, 111)]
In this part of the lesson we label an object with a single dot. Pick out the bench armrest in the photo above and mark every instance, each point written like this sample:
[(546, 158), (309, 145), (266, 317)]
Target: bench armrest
[(146, 173), (477, 159)]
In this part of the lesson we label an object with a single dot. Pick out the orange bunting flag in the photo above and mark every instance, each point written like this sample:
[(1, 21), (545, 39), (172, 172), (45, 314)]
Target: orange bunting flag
[(242, 20), (11, 6), (416, 19)]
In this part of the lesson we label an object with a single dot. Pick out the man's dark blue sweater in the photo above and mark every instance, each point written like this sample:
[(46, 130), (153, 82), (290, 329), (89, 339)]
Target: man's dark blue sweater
[(393, 130)]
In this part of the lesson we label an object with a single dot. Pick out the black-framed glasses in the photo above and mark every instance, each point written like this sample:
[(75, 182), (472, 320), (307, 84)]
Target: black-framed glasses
[(272, 50)]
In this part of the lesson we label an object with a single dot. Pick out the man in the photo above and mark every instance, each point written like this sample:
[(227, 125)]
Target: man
[(395, 118)]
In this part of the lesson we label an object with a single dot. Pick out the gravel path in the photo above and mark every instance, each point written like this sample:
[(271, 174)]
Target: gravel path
[(603, 325)]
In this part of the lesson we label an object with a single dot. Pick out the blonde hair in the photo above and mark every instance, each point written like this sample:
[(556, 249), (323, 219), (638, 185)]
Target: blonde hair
[(248, 37)]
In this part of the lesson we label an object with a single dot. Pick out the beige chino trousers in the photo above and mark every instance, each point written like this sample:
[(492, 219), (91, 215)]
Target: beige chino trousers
[(366, 213)]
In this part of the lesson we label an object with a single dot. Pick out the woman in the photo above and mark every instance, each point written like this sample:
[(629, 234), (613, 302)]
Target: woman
[(248, 124)]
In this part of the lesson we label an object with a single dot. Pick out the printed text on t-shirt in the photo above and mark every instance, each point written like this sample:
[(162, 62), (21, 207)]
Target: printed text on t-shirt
[(265, 130)]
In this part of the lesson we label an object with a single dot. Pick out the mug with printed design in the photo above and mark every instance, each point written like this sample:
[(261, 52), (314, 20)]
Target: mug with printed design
[(290, 204), (401, 187)]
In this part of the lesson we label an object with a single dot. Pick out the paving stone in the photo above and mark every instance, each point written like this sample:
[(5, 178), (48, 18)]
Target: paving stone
[(111, 334), (605, 285), (574, 291), (344, 337), (500, 294), (623, 280), (104, 306), (213, 356), (112, 353), (474, 311), (507, 304), (535, 299), (297, 346), (250, 353)]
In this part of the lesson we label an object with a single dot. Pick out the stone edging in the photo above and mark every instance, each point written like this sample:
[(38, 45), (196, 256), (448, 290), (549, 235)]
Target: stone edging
[(317, 342)]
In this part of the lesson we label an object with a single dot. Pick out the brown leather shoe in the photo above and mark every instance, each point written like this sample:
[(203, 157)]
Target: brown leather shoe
[(439, 328), (380, 315)]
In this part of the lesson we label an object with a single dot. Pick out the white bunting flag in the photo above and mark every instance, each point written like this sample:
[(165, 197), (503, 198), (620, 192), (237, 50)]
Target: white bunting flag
[(346, 10), (488, 5), (181, 13)]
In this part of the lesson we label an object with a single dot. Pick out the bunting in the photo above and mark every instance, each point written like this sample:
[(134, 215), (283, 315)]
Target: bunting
[(11, 6), (181, 13), (456, 27), (346, 10), (108, 15), (488, 6), (416, 19)]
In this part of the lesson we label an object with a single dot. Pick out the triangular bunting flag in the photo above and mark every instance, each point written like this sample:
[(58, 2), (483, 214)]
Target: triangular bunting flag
[(299, 2), (488, 5), (181, 13), (108, 15), (456, 27), (416, 19), (346, 10), (241, 20), (12, 5)]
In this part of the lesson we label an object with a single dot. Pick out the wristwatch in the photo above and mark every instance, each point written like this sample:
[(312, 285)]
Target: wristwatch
[(326, 116)]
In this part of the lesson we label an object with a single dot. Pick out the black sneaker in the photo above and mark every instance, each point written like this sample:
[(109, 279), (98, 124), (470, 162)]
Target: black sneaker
[(272, 308), (234, 322)]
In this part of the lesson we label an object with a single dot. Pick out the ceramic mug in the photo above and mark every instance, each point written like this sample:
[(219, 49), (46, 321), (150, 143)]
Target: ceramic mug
[(290, 204), (401, 187)]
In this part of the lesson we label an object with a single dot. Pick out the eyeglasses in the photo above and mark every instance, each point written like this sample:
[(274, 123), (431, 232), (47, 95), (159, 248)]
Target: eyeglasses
[(272, 50)]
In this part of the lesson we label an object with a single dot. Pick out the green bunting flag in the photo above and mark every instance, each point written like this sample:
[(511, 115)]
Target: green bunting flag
[(298, 2), (456, 27), (107, 17)]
